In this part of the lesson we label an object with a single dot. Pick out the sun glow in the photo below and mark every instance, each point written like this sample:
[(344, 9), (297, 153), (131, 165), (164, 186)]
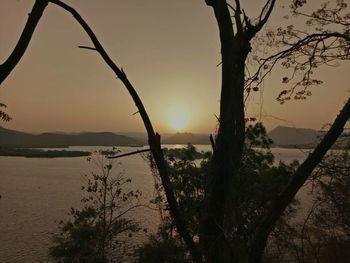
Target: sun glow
[(178, 119)]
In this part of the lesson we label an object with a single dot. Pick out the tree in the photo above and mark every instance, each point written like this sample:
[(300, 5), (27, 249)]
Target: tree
[(93, 232), (323, 234), (221, 212), (329, 223)]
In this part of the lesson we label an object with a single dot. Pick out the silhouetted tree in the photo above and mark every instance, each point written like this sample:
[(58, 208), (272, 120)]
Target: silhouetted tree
[(222, 192), (323, 235), (92, 234)]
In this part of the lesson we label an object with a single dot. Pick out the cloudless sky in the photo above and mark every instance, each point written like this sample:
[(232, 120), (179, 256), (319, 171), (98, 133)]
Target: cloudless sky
[(169, 50)]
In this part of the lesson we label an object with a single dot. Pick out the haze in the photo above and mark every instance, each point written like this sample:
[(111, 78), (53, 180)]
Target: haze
[(170, 52)]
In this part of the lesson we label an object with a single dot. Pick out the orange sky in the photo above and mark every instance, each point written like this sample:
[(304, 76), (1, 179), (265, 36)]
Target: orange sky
[(169, 50)]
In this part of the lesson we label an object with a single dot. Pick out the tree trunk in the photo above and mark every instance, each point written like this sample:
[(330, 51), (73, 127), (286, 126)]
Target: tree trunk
[(228, 144)]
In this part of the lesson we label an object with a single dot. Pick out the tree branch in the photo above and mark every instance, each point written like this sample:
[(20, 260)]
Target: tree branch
[(153, 138), (128, 154), (238, 17), (270, 4), (23, 42), (86, 47), (266, 65)]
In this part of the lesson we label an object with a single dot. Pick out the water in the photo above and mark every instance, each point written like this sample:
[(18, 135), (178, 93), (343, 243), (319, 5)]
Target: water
[(38, 192)]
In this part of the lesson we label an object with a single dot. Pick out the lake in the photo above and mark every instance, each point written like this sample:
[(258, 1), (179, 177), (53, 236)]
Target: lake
[(38, 192)]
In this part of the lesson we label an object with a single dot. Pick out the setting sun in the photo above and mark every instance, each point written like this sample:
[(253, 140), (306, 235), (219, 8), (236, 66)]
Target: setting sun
[(178, 121), (177, 118)]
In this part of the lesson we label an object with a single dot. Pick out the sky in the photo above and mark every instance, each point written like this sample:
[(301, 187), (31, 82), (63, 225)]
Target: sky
[(169, 50)]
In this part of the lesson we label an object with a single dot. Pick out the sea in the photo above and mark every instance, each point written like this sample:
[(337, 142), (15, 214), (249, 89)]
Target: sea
[(36, 193)]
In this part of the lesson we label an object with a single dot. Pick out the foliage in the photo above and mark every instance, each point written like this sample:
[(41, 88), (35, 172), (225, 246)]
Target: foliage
[(3, 115), (163, 247), (93, 234)]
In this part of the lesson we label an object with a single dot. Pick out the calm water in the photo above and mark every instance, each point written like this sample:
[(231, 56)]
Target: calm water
[(37, 193)]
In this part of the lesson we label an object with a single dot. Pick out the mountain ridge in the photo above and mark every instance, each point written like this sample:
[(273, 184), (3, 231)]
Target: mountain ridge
[(285, 136), (282, 136), (13, 138)]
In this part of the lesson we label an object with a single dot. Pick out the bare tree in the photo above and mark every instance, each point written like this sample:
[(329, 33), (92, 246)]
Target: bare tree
[(217, 241)]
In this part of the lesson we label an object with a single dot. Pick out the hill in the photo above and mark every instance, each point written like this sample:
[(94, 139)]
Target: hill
[(290, 136), (12, 138), (184, 138)]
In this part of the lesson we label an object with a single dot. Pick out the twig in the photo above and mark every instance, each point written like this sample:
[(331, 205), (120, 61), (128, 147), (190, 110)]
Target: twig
[(127, 154), (85, 47)]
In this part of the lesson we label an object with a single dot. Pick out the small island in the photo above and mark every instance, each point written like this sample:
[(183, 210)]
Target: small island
[(39, 153)]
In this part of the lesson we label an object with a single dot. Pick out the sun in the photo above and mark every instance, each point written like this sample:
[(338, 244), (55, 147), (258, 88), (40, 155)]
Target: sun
[(178, 120)]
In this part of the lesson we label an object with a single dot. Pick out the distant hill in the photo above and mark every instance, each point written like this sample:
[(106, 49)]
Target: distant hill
[(140, 136), (290, 136), (184, 138), (12, 138), (282, 137)]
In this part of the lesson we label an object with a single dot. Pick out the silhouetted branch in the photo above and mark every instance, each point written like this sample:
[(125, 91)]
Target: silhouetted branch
[(237, 16), (85, 47), (308, 47), (211, 138), (153, 138), (23, 42), (267, 9), (127, 154)]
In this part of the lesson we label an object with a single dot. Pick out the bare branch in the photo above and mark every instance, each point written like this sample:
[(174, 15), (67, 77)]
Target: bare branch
[(238, 17), (23, 42), (128, 154), (85, 47), (211, 138), (270, 4)]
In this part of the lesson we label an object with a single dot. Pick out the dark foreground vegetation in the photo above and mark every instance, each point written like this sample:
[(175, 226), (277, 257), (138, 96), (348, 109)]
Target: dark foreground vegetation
[(103, 229), (38, 153)]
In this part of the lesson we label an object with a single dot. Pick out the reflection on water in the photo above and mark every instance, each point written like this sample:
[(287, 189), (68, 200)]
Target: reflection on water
[(37, 193)]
